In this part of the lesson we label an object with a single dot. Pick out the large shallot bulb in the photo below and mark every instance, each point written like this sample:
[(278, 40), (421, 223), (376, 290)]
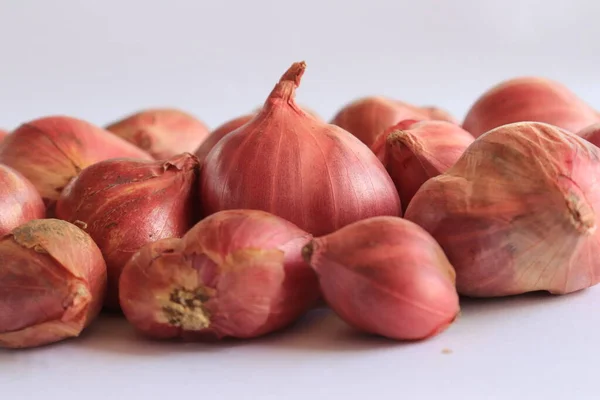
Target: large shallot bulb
[(517, 212), (19, 201), (237, 273), (124, 204), (162, 132), (51, 151), (368, 117), (286, 162), (529, 99), (387, 276), (413, 152), (52, 283), (219, 133)]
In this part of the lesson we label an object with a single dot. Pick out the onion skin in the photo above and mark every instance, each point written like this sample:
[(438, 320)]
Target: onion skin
[(163, 133), (368, 117), (386, 276), (51, 151), (237, 273), (415, 152), (216, 135), (124, 204), (591, 133), (529, 99), (516, 213), (52, 283), (315, 175), (19, 201)]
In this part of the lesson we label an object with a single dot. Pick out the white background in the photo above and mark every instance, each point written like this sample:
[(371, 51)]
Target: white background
[(99, 60)]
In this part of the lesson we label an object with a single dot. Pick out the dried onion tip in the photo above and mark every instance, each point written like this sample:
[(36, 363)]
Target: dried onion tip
[(286, 162), (517, 212), (52, 283), (163, 132), (124, 204), (19, 201), (386, 276), (237, 273)]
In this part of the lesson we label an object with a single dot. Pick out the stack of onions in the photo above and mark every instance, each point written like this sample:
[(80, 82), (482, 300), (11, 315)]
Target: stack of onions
[(286, 162), (163, 133), (50, 151)]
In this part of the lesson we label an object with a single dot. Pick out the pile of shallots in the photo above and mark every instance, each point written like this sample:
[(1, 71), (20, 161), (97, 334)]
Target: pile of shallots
[(387, 215)]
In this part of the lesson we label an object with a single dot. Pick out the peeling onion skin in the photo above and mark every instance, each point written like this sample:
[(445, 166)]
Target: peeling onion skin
[(124, 204), (51, 151), (529, 99), (368, 117), (413, 152), (516, 213), (386, 276), (286, 162), (19, 200), (52, 283), (163, 132), (237, 273), (219, 133)]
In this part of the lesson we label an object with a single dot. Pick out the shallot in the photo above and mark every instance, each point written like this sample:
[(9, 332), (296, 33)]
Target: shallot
[(19, 201)]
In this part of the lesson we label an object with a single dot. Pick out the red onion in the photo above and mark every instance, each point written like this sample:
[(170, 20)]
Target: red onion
[(52, 283), (414, 152), (387, 276), (517, 212), (163, 133), (3, 134), (50, 151), (125, 204), (19, 201), (529, 99), (237, 273), (368, 117), (286, 162), (219, 133)]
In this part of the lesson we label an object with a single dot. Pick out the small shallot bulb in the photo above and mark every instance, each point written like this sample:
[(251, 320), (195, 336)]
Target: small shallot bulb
[(529, 99), (517, 212), (286, 162), (51, 151), (368, 117), (162, 132), (414, 152), (19, 201), (52, 283), (219, 133), (237, 273), (386, 276), (591, 134), (124, 204)]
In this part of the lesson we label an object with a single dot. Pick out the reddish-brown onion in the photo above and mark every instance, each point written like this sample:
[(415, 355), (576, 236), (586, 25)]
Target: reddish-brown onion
[(163, 133), (19, 201), (125, 204), (415, 152), (50, 151), (219, 133), (517, 212), (529, 99), (591, 133), (368, 117), (52, 283), (387, 276), (237, 273), (3, 134), (286, 162)]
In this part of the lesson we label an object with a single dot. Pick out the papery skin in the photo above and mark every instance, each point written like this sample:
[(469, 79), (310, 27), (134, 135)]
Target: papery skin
[(52, 283), (529, 99), (414, 152), (50, 151), (591, 133), (237, 273), (368, 117), (517, 212), (19, 200), (163, 132), (124, 204), (219, 133), (286, 162), (387, 276)]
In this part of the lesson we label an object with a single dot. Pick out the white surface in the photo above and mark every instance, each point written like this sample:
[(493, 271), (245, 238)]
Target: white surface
[(528, 347), (101, 59)]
